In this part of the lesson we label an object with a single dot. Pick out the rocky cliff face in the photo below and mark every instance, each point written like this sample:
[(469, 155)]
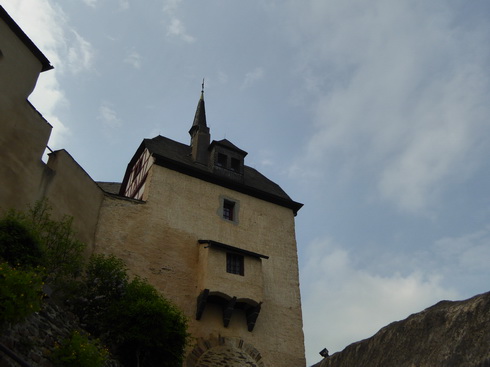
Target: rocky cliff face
[(446, 334)]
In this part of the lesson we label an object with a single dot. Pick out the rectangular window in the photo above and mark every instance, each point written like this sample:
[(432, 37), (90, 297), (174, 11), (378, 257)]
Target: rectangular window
[(221, 160), (235, 165), (228, 210), (234, 264)]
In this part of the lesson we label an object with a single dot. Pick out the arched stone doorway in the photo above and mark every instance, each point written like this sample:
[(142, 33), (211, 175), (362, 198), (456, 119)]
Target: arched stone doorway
[(224, 352)]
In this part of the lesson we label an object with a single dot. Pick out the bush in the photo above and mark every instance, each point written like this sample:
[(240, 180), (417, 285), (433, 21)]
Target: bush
[(63, 253), (79, 351), (149, 329), (34, 238), (105, 276), (20, 293), (104, 283), (18, 245), (142, 327)]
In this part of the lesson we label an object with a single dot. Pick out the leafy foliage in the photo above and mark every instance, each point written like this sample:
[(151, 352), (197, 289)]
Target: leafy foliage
[(63, 253), (34, 238), (28, 240), (142, 327), (18, 245), (150, 330), (104, 283), (139, 324), (106, 276), (79, 351), (20, 293)]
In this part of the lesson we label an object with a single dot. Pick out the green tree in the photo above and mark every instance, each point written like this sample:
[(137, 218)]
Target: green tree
[(105, 281), (63, 253), (19, 246), (140, 325), (34, 237), (79, 350), (28, 240), (20, 293), (150, 330)]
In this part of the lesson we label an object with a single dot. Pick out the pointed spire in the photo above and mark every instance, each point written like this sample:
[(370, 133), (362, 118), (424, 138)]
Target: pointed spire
[(200, 116), (199, 132)]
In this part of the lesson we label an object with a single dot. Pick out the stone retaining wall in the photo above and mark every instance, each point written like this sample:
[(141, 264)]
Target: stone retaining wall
[(33, 339)]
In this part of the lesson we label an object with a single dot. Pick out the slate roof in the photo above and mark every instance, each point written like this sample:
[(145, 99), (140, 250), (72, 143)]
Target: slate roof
[(110, 187), (200, 116), (229, 145), (177, 156)]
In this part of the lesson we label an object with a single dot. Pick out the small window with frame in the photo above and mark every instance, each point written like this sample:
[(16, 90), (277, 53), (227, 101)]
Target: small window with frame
[(235, 264), (221, 160), (228, 210)]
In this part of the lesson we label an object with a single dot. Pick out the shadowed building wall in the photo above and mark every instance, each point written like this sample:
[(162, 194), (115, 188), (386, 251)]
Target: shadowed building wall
[(24, 135)]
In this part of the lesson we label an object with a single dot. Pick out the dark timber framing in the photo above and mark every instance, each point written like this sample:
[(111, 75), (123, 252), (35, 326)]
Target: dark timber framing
[(233, 249)]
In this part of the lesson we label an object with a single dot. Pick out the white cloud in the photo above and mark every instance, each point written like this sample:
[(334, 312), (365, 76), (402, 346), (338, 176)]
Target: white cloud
[(398, 93), (343, 304), (48, 97), (108, 116), (175, 27), (80, 54), (133, 59), (44, 24), (252, 76)]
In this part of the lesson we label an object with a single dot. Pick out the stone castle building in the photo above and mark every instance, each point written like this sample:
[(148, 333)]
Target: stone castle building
[(214, 235)]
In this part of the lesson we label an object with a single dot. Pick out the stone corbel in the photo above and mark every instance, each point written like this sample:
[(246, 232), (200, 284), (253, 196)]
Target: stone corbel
[(201, 303), (252, 314), (228, 311)]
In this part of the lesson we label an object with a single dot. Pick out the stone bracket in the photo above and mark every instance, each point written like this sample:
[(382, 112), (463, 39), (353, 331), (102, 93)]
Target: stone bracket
[(201, 303), (252, 314), (228, 306), (228, 310)]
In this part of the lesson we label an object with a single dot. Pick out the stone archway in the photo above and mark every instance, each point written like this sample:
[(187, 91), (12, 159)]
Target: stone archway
[(224, 352)]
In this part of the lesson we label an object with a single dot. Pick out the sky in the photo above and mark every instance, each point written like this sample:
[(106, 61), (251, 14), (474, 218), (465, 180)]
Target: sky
[(374, 114)]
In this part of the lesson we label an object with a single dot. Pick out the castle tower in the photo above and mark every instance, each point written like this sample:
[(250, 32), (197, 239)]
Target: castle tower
[(217, 238), (214, 235)]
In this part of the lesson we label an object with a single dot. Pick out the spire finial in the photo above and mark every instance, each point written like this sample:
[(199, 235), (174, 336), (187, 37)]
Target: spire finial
[(202, 87)]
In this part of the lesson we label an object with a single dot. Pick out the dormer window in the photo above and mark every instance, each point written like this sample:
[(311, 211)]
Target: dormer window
[(230, 163), (235, 165), (227, 159), (221, 160)]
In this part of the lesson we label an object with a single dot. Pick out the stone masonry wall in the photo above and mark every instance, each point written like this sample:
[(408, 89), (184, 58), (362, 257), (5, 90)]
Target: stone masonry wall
[(33, 339)]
